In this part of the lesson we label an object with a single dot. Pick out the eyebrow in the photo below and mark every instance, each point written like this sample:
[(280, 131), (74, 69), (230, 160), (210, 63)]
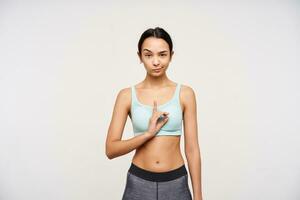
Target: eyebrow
[(151, 51)]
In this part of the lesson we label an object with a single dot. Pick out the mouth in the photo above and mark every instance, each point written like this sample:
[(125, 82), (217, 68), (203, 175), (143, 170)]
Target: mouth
[(157, 70)]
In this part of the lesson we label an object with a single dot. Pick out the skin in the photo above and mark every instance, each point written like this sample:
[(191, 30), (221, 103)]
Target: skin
[(157, 153)]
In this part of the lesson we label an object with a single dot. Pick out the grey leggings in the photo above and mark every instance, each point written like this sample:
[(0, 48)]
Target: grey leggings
[(142, 184)]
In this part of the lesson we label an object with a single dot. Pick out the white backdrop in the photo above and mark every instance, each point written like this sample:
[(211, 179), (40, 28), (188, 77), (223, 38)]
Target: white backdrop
[(63, 63)]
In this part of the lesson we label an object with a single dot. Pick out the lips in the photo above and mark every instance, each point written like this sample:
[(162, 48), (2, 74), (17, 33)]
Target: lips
[(157, 70)]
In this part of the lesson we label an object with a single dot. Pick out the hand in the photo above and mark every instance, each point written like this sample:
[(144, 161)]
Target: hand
[(157, 120)]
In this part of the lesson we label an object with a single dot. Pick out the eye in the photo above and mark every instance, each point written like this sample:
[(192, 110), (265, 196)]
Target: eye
[(147, 55), (163, 54)]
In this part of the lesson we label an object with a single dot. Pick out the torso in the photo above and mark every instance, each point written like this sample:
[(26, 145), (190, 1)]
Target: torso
[(161, 153)]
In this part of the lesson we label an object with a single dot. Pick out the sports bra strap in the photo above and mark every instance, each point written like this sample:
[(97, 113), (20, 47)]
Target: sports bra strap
[(133, 95), (177, 92)]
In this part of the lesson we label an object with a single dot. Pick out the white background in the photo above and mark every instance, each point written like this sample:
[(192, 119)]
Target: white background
[(62, 64)]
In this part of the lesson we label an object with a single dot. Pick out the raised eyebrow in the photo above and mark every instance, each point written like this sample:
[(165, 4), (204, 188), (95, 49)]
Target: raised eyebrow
[(158, 52)]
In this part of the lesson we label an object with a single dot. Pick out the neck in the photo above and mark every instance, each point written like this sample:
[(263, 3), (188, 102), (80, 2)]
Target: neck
[(156, 82)]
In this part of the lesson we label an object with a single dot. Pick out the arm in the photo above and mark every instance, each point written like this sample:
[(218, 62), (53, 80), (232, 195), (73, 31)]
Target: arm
[(117, 148), (114, 145), (192, 150)]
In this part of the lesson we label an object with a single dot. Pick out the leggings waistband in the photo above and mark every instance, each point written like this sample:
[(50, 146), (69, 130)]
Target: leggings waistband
[(157, 176)]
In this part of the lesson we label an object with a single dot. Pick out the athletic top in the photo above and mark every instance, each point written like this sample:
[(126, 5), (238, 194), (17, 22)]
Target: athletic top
[(141, 114)]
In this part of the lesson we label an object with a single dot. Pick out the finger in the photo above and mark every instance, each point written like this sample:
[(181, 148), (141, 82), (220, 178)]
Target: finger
[(165, 113), (163, 121), (162, 115), (158, 115), (155, 106)]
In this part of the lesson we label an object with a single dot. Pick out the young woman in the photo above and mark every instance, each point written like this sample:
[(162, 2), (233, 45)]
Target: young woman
[(157, 106)]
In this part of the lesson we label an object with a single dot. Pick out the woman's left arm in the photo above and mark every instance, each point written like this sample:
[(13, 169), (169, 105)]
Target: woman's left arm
[(191, 146)]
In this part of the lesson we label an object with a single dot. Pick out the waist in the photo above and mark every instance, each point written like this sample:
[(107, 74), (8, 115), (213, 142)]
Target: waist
[(157, 176), (158, 162)]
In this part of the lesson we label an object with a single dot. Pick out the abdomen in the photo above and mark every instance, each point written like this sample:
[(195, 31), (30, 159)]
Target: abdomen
[(159, 154)]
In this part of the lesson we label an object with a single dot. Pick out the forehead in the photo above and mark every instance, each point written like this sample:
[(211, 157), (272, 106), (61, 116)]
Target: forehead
[(155, 44)]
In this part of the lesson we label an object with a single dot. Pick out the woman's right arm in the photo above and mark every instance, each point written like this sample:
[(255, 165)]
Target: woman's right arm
[(115, 146)]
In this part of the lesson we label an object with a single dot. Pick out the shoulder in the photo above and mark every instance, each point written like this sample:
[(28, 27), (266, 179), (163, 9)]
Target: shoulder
[(124, 96), (187, 95), (124, 93), (187, 91)]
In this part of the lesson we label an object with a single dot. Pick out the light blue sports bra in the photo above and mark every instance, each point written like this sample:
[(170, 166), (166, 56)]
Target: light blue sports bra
[(141, 113)]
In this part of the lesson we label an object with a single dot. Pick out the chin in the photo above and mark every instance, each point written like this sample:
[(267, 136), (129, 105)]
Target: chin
[(158, 74)]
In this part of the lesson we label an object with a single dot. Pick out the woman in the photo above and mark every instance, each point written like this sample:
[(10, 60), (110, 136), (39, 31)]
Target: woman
[(157, 106)]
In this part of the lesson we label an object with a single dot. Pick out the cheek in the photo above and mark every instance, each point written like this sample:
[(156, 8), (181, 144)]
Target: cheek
[(145, 60), (166, 60), (147, 66)]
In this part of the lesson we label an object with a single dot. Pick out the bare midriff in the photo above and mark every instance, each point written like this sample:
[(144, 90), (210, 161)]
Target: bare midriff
[(159, 154)]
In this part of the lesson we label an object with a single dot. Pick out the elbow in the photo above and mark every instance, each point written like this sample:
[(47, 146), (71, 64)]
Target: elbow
[(109, 155), (108, 152)]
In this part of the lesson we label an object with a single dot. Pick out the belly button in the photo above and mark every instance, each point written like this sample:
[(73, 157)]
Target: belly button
[(157, 162)]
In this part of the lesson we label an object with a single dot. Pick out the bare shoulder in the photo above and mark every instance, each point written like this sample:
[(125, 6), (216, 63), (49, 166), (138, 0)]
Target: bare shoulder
[(187, 92), (124, 97), (187, 96), (124, 92)]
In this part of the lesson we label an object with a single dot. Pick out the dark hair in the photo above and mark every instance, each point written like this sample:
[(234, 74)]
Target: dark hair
[(157, 32)]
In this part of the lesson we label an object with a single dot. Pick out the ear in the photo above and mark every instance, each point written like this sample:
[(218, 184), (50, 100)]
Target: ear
[(139, 55), (171, 55)]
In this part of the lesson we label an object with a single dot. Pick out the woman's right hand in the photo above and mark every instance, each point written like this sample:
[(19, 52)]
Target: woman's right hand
[(155, 124)]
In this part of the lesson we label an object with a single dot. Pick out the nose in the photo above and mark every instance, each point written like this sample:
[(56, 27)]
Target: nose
[(155, 61)]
